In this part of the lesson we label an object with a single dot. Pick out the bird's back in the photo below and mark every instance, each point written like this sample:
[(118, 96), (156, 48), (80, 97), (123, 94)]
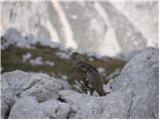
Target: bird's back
[(85, 67), (88, 72)]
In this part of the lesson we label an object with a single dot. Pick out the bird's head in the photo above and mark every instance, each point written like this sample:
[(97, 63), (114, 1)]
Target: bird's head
[(75, 56)]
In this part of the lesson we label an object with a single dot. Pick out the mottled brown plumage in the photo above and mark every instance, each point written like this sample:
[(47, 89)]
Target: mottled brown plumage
[(86, 75)]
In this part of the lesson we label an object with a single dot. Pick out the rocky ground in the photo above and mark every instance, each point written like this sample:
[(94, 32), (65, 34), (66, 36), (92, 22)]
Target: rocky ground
[(133, 93)]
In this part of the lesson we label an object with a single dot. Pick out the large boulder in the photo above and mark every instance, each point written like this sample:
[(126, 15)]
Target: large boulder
[(142, 74), (19, 84), (26, 107)]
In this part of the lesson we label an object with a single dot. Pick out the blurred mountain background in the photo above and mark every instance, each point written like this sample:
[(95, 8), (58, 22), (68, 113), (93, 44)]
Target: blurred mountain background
[(100, 27)]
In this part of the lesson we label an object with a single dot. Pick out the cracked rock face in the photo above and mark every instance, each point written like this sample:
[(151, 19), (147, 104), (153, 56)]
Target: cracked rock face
[(134, 94)]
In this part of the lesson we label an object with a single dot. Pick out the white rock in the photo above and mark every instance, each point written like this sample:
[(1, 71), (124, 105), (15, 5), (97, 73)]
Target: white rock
[(141, 73), (12, 86), (18, 84), (86, 106), (56, 109), (42, 87), (101, 70), (37, 61), (26, 57), (27, 108), (64, 77), (63, 55), (50, 63)]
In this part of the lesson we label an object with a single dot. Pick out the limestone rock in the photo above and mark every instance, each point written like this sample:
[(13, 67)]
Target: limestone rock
[(27, 108)]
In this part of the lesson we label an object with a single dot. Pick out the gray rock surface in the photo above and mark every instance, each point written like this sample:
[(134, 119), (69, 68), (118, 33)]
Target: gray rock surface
[(12, 86), (44, 87), (114, 105), (56, 109), (141, 74), (18, 84), (134, 94), (26, 107)]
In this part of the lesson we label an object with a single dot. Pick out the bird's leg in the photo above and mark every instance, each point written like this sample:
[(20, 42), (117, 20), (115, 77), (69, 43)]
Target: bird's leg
[(91, 91), (82, 86)]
